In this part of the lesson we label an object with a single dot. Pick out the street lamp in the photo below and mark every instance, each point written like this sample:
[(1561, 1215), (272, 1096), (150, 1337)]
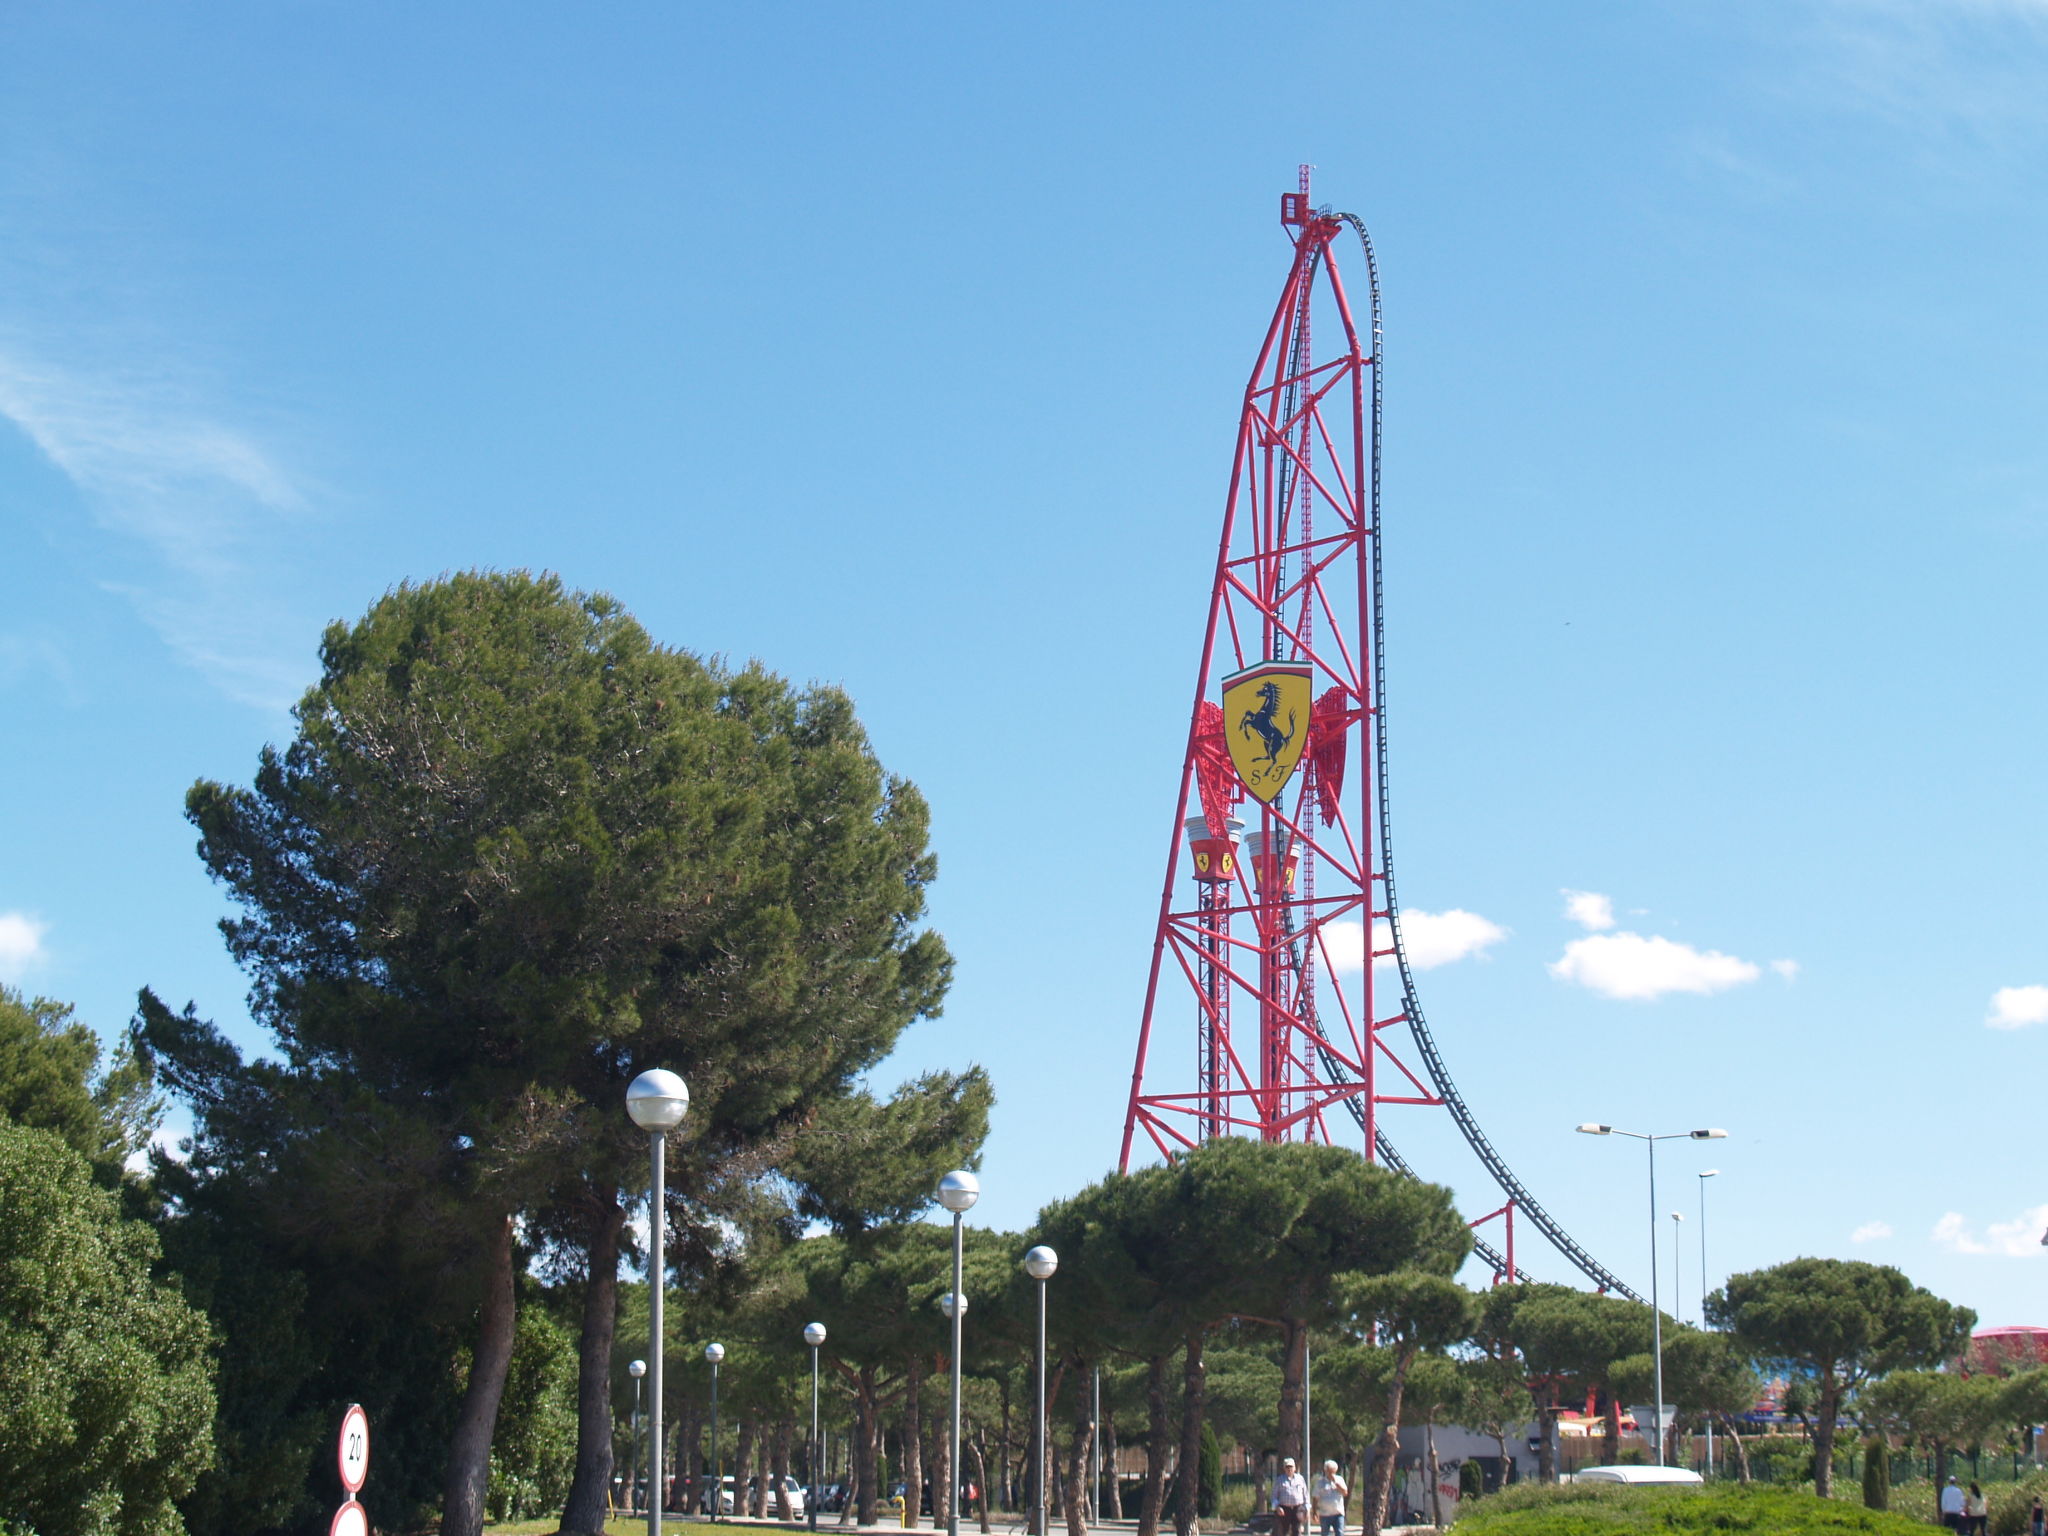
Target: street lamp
[(958, 1191), (636, 1370), (1677, 1291), (1656, 1316), (715, 1353), (656, 1100), (1039, 1264), (1708, 1174), (814, 1335)]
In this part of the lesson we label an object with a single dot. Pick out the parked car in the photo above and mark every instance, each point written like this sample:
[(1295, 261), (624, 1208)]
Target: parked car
[(728, 1492), (1636, 1475)]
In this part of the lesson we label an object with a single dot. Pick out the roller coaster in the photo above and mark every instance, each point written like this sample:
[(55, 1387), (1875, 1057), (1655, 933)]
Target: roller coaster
[(1288, 912)]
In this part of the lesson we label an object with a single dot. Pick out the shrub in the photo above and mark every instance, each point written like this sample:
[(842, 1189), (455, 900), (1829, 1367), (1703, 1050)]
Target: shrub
[(1209, 1476), (1877, 1475), (1595, 1509)]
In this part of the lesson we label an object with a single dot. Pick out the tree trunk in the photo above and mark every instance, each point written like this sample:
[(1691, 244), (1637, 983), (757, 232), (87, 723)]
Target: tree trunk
[(1436, 1494), (1546, 1443), (757, 1485), (742, 1452), (1614, 1426), (469, 1453), (1155, 1446), (584, 1510), (683, 1466), (1824, 1435), (942, 1463), (1194, 1399), (912, 1433), (864, 1502), (1293, 1371), (778, 1470), (1741, 1450), (1386, 1451), (1077, 1459), (980, 1482), (1009, 1487)]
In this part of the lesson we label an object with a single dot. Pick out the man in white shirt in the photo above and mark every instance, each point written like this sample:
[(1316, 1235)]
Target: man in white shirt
[(1952, 1506), (1331, 1494), (1290, 1500)]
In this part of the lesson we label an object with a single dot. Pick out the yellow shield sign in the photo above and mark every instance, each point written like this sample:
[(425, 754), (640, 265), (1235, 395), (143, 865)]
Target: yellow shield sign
[(1265, 723)]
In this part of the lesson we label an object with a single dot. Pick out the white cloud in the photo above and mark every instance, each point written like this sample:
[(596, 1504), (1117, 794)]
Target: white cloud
[(2019, 1238), (1870, 1232), (1636, 967), (1431, 939), (195, 499), (2017, 1007), (21, 945), (1789, 969), (1589, 909)]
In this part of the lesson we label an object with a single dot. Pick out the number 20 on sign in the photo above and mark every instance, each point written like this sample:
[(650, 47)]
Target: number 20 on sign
[(353, 1454)]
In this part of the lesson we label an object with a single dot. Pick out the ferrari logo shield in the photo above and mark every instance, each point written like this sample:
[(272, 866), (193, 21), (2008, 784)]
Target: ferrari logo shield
[(1265, 712)]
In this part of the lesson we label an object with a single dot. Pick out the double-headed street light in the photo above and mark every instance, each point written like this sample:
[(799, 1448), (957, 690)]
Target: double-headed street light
[(814, 1335), (1656, 1317), (657, 1100), (715, 1353), (958, 1191), (1039, 1264)]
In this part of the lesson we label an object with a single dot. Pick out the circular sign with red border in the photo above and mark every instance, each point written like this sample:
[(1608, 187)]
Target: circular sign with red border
[(350, 1520), (353, 1452)]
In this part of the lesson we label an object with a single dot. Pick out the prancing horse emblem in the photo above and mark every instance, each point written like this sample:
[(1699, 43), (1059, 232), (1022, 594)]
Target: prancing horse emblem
[(1268, 706)]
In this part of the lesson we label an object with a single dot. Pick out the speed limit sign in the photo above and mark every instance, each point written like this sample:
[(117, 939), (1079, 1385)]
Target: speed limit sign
[(354, 1449), (350, 1520)]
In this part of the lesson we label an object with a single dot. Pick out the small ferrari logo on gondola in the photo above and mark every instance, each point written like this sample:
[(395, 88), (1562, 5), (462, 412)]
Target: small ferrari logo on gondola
[(1265, 713)]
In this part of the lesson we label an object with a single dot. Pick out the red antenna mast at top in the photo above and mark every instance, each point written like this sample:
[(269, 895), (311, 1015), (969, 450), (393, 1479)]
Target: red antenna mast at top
[(1278, 905)]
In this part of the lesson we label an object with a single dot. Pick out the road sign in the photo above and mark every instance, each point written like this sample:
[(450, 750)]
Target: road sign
[(354, 1454), (350, 1520)]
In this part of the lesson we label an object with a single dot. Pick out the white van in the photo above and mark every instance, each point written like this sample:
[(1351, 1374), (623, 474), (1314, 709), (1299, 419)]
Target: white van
[(1636, 1475)]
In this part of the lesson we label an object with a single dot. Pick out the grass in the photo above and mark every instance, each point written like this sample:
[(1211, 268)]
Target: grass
[(1587, 1509)]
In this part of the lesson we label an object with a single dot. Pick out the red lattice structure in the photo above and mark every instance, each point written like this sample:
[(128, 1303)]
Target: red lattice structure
[(1279, 896)]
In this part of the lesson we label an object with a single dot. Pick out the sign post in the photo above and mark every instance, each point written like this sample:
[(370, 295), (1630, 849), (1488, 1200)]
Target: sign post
[(352, 1455)]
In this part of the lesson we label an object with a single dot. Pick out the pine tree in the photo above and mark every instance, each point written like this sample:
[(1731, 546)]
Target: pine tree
[(1209, 1490), (1877, 1475)]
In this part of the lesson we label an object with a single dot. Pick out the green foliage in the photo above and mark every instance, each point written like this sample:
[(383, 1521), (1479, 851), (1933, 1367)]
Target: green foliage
[(1594, 1509), (860, 1163), (103, 1370), (1471, 1480), (51, 1078), (1209, 1487), (533, 1450), (1877, 1475)]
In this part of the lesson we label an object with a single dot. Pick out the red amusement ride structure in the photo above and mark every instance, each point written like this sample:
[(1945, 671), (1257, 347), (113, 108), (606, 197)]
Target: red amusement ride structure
[(1271, 942)]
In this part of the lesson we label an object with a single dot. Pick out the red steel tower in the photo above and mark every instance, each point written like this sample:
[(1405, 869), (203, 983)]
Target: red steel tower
[(1271, 941)]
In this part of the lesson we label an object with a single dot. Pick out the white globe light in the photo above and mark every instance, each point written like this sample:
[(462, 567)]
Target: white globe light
[(637, 1369), (657, 1100), (959, 1190), (1040, 1263), (946, 1304), (814, 1334), (714, 1353)]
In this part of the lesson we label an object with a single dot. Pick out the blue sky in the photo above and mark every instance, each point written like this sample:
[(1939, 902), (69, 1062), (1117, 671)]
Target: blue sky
[(899, 347)]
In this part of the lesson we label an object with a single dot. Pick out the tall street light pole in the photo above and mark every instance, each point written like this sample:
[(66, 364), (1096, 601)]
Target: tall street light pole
[(958, 1191), (1656, 1313), (656, 1100), (814, 1335), (1039, 1264), (715, 1353), (1704, 1176)]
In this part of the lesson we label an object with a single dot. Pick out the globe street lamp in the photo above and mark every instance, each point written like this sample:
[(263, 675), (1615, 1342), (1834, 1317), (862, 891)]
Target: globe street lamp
[(1039, 1264), (715, 1353), (657, 1100), (814, 1335), (1656, 1316), (636, 1370), (958, 1191)]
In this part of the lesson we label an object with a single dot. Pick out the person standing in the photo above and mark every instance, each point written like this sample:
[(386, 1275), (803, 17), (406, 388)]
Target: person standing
[(1290, 1500), (1952, 1506), (1976, 1516), (1332, 1494), (2037, 1519)]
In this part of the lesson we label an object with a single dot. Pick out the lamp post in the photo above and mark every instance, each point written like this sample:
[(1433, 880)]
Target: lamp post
[(1708, 1174), (1677, 1291), (1656, 1316), (958, 1191), (1039, 1264), (656, 1100), (814, 1335), (635, 1370), (715, 1353)]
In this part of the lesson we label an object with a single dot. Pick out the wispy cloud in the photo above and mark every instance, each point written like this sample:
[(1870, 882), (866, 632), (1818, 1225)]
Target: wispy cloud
[(21, 945), (192, 493), (1638, 967), (1589, 909), (1430, 938), (2017, 1007), (1786, 969), (2019, 1238), (1871, 1231)]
